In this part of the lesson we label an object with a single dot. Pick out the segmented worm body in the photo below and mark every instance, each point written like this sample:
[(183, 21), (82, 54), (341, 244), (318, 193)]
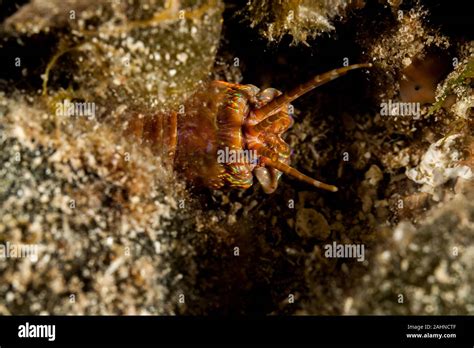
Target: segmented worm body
[(237, 119)]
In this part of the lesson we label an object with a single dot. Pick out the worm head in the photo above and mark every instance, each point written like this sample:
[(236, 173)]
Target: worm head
[(231, 133)]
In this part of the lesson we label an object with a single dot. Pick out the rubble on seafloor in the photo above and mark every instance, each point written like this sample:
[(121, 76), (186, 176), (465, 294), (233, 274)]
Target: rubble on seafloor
[(119, 233)]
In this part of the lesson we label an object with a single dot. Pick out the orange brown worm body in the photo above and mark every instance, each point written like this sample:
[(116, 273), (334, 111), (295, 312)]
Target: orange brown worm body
[(231, 117)]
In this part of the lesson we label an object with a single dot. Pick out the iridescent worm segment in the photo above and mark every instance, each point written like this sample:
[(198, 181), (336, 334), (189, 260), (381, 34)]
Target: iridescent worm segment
[(236, 118)]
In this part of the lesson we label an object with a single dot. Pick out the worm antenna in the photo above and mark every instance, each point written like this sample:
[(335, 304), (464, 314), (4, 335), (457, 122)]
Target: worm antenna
[(298, 175), (316, 81), (266, 123)]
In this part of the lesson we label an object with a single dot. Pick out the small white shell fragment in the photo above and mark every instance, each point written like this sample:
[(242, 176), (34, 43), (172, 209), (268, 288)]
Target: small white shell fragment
[(439, 164)]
